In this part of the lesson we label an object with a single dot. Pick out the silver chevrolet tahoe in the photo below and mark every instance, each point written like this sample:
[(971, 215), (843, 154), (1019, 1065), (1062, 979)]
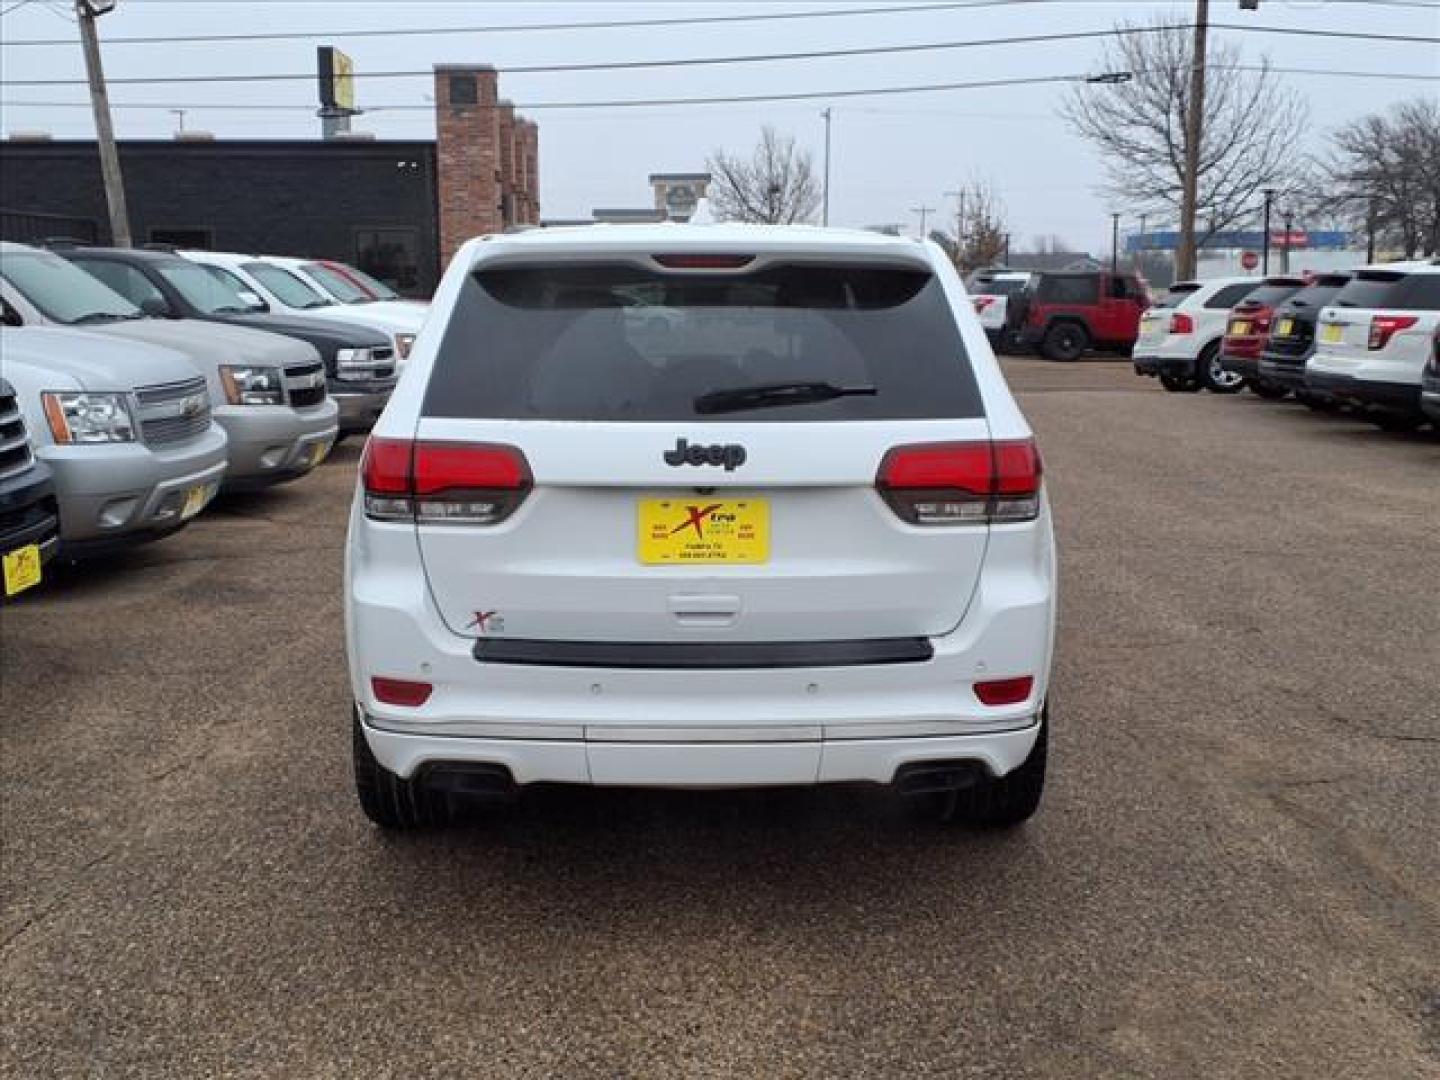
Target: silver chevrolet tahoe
[(125, 429), (267, 391)]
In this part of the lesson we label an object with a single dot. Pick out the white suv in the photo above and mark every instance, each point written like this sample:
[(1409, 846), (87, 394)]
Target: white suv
[(1180, 336), (700, 506), (1374, 339)]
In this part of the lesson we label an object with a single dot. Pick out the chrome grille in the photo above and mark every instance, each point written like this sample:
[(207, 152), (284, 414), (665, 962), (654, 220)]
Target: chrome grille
[(15, 455), (305, 384), (173, 412)]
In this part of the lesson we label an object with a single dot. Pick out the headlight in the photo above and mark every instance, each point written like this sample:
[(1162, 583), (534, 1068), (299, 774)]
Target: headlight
[(88, 418), (252, 385), (403, 342)]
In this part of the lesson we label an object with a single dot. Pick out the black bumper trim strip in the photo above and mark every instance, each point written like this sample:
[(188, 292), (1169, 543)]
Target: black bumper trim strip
[(703, 655)]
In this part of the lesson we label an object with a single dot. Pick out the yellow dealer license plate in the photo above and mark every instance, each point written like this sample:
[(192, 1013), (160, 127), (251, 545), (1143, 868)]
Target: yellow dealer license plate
[(195, 500), (22, 569), (1239, 329), (1332, 334), (318, 452), (704, 530), (1286, 328)]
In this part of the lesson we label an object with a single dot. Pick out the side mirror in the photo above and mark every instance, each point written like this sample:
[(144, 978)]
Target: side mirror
[(155, 307)]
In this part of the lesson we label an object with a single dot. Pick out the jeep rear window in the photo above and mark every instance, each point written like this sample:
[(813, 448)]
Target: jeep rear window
[(1069, 290), (623, 342)]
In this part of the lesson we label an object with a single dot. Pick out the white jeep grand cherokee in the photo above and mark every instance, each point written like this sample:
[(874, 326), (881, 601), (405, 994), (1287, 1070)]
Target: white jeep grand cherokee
[(700, 506)]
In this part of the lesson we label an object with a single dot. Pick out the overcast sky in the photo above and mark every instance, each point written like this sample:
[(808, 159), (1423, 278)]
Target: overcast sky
[(890, 154)]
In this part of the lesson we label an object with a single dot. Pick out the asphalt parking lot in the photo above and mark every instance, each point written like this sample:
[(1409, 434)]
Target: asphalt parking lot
[(1235, 873)]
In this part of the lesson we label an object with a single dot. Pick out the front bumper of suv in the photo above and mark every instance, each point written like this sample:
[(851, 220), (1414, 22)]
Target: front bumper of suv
[(270, 444), (359, 405), (114, 496)]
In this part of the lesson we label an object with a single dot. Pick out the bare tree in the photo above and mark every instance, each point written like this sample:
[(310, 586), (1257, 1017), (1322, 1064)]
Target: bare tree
[(980, 220), (1052, 244), (1383, 176), (776, 185), (1250, 125)]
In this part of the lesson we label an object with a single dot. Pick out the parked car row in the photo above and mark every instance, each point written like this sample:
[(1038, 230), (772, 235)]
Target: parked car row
[(1362, 341), (138, 384)]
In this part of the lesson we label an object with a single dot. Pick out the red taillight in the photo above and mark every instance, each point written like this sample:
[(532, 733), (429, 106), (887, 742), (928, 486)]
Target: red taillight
[(962, 483), (703, 261), (1384, 327), (1004, 691), (1180, 323), (401, 691), (982, 302), (443, 482)]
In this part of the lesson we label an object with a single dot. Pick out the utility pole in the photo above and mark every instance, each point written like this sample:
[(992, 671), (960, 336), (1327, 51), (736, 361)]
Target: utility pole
[(924, 212), (1115, 243), (86, 12), (1370, 231), (1007, 249), (1269, 194), (959, 197), (1194, 132), (825, 212), (1289, 220)]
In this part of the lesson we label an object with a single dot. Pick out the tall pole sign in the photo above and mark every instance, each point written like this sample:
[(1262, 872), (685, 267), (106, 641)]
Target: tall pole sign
[(86, 12)]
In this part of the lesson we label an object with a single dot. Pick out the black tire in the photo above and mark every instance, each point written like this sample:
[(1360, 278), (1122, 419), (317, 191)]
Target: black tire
[(1270, 391), (1212, 376), (389, 801), (1065, 341), (1179, 384), (1397, 422), (1007, 801)]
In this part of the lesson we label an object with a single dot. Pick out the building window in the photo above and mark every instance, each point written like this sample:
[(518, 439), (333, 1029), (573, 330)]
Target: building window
[(464, 90), (392, 255)]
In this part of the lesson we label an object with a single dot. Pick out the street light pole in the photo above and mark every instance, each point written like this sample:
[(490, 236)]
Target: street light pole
[(86, 12), (1115, 243), (825, 212), (1289, 220), (1269, 193)]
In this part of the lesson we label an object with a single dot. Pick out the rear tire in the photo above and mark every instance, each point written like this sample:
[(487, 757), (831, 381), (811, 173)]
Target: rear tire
[(1006, 801), (1270, 391), (1215, 378), (386, 799), (1065, 342)]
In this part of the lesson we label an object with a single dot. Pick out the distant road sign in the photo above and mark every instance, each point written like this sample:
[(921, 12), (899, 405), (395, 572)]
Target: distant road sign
[(1249, 260)]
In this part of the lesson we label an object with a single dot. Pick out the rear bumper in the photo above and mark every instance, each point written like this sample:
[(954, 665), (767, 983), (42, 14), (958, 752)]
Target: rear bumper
[(1146, 365), (1248, 366), (1385, 396), (693, 764), (1287, 371), (1430, 396)]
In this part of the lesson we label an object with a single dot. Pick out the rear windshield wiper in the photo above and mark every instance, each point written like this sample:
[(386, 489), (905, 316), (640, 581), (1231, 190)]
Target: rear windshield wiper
[(776, 394)]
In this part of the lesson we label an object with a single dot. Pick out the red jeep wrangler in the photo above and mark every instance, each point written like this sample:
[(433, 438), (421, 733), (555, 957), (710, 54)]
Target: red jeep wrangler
[(1067, 313)]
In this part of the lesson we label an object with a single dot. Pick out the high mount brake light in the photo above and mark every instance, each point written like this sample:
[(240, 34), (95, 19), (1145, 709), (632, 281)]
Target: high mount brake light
[(962, 483), (1384, 327), (1180, 323), (703, 261), (439, 483)]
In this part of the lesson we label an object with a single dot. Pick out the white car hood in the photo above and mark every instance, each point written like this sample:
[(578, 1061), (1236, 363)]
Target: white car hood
[(209, 343), (81, 360), (392, 316)]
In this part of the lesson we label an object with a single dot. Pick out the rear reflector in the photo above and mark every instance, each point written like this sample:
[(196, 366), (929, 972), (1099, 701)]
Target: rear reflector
[(401, 691), (443, 482), (1004, 691), (962, 483), (703, 261)]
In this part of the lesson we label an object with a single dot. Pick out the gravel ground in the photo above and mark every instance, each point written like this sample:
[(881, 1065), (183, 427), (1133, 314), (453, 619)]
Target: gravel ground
[(1235, 873)]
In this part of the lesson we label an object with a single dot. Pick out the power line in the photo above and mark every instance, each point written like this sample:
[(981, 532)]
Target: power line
[(756, 58), (411, 31), (631, 65), (881, 91)]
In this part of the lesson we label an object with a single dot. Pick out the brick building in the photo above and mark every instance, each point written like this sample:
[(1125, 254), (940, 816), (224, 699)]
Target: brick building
[(396, 208)]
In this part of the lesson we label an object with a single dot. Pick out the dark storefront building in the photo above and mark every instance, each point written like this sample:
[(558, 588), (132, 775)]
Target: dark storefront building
[(397, 209)]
